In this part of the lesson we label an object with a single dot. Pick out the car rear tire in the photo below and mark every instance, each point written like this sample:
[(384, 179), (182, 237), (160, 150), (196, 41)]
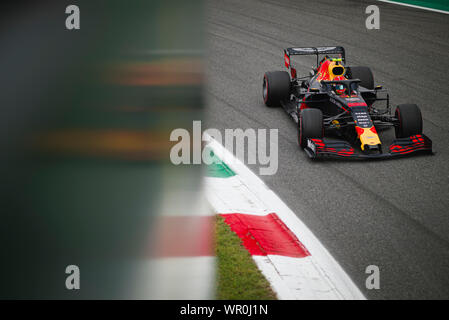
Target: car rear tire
[(276, 87), (409, 120), (364, 74), (310, 125)]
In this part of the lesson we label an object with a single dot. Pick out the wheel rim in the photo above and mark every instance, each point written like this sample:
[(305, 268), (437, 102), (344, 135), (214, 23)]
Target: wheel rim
[(398, 128), (265, 89)]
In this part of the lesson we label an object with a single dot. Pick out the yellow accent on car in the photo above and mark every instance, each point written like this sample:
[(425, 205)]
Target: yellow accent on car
[(337, 124), (368, 137), (336, 70)]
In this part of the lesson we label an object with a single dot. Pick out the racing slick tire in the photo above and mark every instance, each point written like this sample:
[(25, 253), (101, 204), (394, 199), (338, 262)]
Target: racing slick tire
[(409, 120), (364, 74), (276, 87), (310, 125)]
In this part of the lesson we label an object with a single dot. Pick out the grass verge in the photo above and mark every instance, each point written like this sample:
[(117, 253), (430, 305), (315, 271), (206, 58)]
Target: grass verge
[(238, 276)]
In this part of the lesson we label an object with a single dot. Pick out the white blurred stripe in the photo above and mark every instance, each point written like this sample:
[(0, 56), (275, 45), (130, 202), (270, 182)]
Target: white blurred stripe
[(175, 278)]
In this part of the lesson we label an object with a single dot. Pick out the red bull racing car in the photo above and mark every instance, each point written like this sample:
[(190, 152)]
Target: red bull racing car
[(334, 107)]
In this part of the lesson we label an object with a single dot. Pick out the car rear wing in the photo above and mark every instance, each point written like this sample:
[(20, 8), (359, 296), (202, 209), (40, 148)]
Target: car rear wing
[(311, 51)]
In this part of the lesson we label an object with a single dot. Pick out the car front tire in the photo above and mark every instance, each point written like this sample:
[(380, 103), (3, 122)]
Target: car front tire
[(409, 120), (310, 126)]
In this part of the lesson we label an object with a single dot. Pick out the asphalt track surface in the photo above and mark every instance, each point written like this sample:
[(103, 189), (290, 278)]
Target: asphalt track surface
[(393, 214)]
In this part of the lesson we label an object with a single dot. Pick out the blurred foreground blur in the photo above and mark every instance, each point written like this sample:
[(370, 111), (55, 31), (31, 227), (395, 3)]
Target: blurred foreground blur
[(86, 175)]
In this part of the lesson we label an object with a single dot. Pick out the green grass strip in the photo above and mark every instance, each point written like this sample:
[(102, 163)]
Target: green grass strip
[(238, 276)]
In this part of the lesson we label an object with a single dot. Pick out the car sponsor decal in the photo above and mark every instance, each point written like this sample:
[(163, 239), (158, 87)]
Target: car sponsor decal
[(361, 117), (357, 104), (336, 102)]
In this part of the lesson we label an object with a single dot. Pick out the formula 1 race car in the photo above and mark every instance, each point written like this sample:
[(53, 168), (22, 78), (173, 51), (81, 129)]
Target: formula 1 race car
[(334, 108)]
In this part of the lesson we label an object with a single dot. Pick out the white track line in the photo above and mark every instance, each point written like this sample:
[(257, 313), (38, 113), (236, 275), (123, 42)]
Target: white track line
[(318, 276), (414, 6)]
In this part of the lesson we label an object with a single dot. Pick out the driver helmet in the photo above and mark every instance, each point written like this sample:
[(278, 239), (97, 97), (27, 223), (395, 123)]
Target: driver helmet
[(340, 89)]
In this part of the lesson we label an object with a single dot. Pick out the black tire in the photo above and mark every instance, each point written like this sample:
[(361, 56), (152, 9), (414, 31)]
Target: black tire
[(276, 87), (364, 74), (310, 125), (409, 120)]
